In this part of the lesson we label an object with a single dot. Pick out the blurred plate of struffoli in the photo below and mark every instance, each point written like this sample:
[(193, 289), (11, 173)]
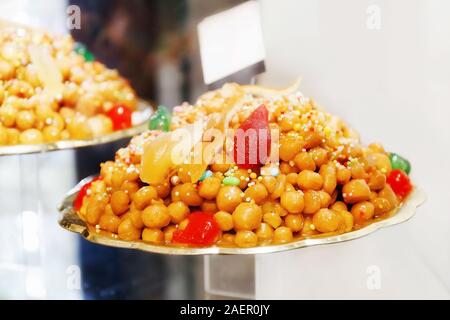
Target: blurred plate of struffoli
[(54, 95)]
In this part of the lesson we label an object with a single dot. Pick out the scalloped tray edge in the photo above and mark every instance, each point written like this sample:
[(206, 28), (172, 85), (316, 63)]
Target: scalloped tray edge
[(70, 221)]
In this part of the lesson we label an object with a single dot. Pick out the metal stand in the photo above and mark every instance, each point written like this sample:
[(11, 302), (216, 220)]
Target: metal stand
[(21, 250), (229, 276), (32, 264), (31, 225)]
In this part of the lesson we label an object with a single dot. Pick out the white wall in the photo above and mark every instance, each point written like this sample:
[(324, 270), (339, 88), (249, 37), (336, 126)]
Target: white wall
[(392, 85)]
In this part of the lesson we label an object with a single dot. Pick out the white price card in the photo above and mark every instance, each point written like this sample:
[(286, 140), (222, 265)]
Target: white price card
[(231, 41)]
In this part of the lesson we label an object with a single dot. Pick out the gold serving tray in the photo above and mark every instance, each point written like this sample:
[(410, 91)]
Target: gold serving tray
[(140, 124), (69, 220)]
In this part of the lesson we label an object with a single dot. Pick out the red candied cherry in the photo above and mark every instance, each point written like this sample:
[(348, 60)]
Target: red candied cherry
[(78, 202), (252, 140), (201, 230), (400, 183), (120, 116)]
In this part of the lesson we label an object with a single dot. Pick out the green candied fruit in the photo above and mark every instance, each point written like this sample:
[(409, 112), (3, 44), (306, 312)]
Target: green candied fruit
[(84, 52), (231, 181), (398, 162), (160, 120), (206, 174)]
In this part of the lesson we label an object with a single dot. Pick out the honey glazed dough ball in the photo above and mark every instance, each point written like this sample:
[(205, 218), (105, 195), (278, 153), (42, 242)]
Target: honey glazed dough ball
[(209, 188), (189, 195), (282, 235), (247, 216), (144, 197), (355, 191), (228, 198), (224, 220), (245, 238), (178, 211), (293, 201), (309, 180), (127, 231), (156, 216), (326, 220)]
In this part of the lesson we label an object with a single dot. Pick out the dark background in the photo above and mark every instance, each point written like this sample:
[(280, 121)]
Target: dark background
[(137, 37)]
